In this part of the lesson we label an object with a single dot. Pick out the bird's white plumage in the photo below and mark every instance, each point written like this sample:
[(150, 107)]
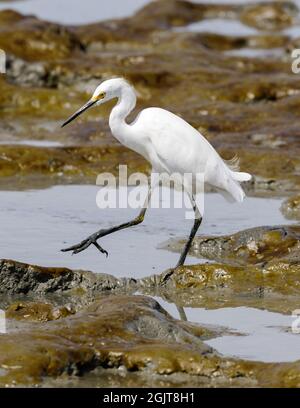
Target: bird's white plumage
[(168, 142), (172, 146)]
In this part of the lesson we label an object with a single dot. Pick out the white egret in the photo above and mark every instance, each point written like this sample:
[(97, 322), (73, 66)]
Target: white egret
[(170, 144)]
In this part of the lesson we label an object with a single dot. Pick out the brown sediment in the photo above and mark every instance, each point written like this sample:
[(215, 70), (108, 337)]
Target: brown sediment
[(272, 17), (39, 312)]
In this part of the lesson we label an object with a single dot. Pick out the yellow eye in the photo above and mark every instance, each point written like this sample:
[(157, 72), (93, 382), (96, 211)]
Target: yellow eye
[(99, 97)]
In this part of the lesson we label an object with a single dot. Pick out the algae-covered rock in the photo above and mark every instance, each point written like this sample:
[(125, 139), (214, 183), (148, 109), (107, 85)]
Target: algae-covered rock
[(253, 246), (67, 163), (291, 208), (107, 334), (273, 16), (257, 267), (39, 312), (33, 39), (21, 278), (131, 333)]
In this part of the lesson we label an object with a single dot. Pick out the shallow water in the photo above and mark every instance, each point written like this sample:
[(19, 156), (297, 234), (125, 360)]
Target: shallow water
[(37, 143), (89, 11), (232, 28), (257, 53), (220, 26), (260, 335), (36, 224), (76, 11)]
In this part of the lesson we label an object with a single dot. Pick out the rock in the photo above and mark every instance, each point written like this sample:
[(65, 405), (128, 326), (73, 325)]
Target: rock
[(33, 39), (253, 246), (273, 16), (66, 163), (291, 208), (257, 267), (20, 72), (131, 333), (21, 278), (103, 335), (40, 312)]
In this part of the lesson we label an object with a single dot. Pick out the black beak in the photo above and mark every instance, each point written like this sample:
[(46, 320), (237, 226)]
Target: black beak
[(79, 112)]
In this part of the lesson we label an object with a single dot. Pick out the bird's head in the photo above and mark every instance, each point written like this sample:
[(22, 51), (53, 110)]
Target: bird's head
[(107, 90)]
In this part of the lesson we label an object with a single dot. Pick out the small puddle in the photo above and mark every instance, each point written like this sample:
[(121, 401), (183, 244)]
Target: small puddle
[(293, 32), (261, 335), (219, 26), (36, 143), (258, 53)]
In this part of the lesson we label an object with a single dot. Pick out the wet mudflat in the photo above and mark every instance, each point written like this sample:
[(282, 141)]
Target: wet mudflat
[(90, 321)]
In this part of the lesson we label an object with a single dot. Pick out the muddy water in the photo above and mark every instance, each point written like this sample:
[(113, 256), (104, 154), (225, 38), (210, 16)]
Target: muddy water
[(37, 224)]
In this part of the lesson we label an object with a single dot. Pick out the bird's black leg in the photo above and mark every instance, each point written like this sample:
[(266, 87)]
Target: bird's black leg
[(196, 225), (187, 246), (92, 239)]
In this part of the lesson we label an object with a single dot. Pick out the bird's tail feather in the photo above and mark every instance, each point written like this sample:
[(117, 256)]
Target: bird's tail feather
[(240, 176), (229, 185)]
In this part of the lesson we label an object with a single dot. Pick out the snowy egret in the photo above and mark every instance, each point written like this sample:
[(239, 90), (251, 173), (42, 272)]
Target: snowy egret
[(171, 145)]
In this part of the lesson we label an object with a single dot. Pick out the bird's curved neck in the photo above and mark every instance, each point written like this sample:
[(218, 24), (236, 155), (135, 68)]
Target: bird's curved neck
[(126, 103)]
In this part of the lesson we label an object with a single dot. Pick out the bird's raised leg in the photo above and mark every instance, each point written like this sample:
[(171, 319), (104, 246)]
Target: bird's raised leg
[(92, 239), (196, 225)]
